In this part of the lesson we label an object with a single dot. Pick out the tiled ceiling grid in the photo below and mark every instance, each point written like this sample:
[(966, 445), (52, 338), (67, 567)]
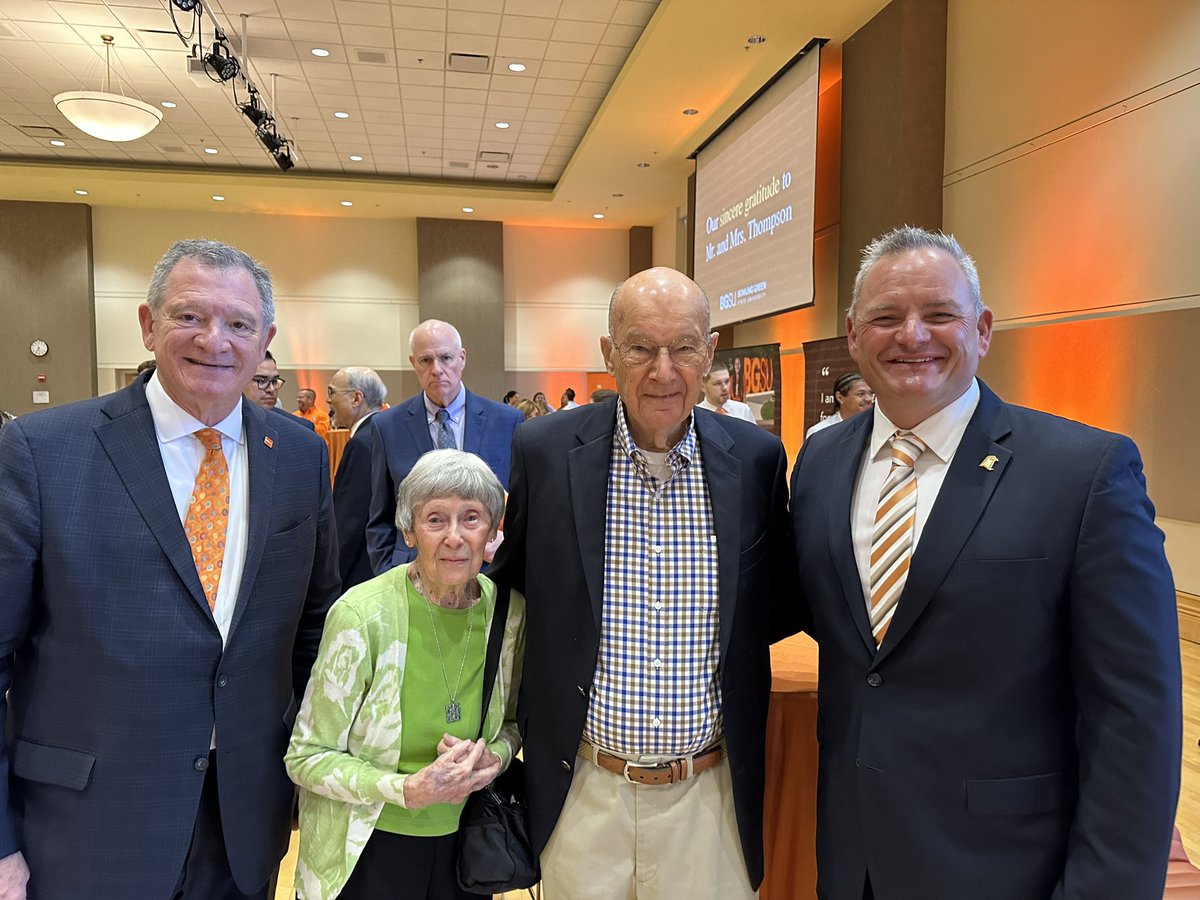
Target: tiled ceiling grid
[(410, 116)]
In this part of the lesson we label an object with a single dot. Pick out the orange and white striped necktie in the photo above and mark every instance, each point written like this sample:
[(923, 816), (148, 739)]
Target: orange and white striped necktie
[(892, 536), (208, 513)]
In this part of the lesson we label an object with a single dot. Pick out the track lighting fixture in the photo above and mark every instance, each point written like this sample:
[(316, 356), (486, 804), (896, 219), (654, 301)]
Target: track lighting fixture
[(221, 61), (185, 5)]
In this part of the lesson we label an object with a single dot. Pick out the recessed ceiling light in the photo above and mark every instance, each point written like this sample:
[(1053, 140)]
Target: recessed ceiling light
[(492, 166), (468, 209), (690, 112), (319, 51), (597, 215), (347, 203), (218, 197), (168, 104), (503, 125), (341, 115), (516, 67), (211, 151), (522, 177), (643, 165), (81, 192), (618, 195), (354, 157), (756, 39), (58, 143)]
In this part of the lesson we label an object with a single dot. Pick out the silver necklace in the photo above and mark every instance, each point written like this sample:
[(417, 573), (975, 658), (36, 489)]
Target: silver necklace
[(453, 709)]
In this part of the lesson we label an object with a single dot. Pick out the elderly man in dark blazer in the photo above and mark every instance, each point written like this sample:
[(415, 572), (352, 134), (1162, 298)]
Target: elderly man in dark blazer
[(167, 557), (356, 394), (652, 544), (444, 414), (999, 658)]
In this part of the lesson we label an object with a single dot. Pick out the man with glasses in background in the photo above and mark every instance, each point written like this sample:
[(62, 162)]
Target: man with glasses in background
[(647, 671), (264, 387)]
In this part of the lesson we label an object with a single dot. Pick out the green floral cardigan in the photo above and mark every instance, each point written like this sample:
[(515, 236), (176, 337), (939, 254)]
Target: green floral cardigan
[(346, 744)]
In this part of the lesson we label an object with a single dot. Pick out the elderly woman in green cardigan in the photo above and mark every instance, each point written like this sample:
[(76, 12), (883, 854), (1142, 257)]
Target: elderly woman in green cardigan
[(385, 747)]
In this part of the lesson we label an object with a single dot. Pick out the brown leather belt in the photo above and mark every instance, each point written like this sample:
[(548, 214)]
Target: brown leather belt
[(668, 772)]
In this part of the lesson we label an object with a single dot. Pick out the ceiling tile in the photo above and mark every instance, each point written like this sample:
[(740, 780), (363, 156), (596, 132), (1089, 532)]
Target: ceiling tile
[(315, 10), (621, 35), (529, 27), (311, 33), (587, 10), (580, 32), (611, 56), (413, 39), (458, 21), (422, 76), (544, 8), (485, 6), (562, 70), (568, 51), (526, 50), (633, 12), (350, 12), (366, 36)]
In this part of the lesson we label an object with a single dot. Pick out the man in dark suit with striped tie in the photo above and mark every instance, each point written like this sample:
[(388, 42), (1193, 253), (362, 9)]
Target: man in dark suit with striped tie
[(443, 414), (167, 557), (999, 657)]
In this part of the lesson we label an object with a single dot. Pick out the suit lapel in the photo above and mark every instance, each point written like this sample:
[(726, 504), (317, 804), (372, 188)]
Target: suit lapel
[(843, 475), (260, 456), (588, 465), (474, 424), (132, 446), (963, 497), (723, 474), (418, 424)]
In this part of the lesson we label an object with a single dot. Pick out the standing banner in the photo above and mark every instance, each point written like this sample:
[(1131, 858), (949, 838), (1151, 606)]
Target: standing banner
[(754, 379), (825, 362)]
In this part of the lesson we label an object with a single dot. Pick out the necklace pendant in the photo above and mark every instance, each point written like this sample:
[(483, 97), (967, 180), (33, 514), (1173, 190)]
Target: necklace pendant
[(453, 711)]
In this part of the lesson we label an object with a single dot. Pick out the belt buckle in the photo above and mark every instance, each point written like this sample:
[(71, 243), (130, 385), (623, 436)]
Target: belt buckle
[(656, 768)]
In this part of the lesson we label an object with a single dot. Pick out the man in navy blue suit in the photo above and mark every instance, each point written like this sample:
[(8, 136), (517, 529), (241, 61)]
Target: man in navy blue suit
[(148, 712), (443, 415), (999, 657)]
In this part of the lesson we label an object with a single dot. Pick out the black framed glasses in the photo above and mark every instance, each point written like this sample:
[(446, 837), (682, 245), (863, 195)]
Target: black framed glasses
[(687, 352), (268, 381)]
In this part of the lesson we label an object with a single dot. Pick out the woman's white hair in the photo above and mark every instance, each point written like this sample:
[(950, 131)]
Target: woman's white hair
[(449, 473)]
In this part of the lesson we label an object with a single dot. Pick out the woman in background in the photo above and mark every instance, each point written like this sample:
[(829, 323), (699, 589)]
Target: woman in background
[(851, 395)]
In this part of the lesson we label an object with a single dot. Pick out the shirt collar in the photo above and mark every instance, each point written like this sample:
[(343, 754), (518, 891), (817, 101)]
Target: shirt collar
[(682, 451), (357, 425), (941, 432), (455, 407), (172, 422)]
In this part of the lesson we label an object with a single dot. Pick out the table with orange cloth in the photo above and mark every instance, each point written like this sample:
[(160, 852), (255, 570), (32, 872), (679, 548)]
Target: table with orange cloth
[(790, 811), (336, 439)]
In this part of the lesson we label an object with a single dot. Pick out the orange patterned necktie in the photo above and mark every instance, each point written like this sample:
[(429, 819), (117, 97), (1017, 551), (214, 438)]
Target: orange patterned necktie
[(721, 411), (892, 536), (208, 513)]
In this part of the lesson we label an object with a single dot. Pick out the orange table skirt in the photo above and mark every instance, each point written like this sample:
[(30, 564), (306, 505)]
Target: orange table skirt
[(336, 441), (790, 812)]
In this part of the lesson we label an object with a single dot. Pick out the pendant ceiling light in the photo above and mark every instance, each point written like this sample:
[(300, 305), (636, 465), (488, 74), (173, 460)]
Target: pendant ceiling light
[(105, 115)]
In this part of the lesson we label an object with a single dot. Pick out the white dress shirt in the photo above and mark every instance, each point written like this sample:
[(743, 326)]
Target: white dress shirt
[(941, 433), (357, 425), (822, 424), (735, 408), (182, 454)]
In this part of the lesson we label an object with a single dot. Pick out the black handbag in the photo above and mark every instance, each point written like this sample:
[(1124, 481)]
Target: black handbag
[(494, 851)]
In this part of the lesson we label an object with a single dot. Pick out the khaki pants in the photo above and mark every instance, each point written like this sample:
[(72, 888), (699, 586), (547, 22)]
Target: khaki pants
[(620, 841)]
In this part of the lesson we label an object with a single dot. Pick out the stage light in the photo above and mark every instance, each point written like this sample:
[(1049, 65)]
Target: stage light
[(221, 63), (185, 5), (253, 111), (283, 157)]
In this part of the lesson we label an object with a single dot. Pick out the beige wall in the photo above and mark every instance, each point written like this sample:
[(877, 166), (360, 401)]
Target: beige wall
[(1072, 135), (346, 290)]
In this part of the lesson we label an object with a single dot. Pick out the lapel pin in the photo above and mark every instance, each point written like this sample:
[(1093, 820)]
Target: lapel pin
[(271, 443), (989, 462)]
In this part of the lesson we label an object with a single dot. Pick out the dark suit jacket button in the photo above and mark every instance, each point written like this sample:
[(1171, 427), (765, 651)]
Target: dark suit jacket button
[(566, 764), (222, 680), (874, 679), (200, 763)]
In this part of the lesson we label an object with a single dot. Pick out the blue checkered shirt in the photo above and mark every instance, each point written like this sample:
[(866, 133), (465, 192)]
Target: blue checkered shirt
[(656, 690)]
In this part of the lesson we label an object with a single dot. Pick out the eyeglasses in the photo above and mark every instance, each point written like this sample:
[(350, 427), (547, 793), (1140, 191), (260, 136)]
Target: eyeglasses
[(330, 391), (263, 382), (690, 353)]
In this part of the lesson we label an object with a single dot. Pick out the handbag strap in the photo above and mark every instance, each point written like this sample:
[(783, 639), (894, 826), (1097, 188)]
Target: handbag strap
[(491, 662)]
